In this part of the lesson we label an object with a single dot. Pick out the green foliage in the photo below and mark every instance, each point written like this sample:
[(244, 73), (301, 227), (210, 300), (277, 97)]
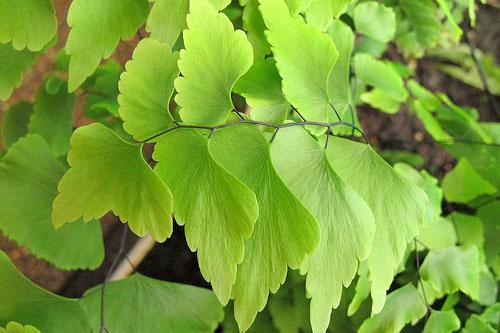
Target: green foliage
[(346, 223), (285, 231), (96, 28), (12, 67), (27, 24), (104, 163), (304, 70), (15, 122), (146, 88), (218, 210), (23, 301), (154, 306), (29, 174), (398, 212), (275, 188), (13, 327), (204, 93)]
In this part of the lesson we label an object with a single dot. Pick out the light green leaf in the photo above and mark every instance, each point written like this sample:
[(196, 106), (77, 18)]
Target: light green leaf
[(27, 23), (469, 229), (285, 231), (305, 70), (370, 70), (106, 174), (445, 7), (398, 212), (378, 99), (261, 86), (442, 322), (488, 289), (375, 20), (167, 19), (346, 223), (208, 73), (430, 122), (402, 307), (15, 122), (452, 269), (419, 28), (146, 88), (322, 12), (96, 28), (24, 302), (428, 184), (476, 325), (362, 289), (463, 183), (490, 215), (298, 6), (28, 178), (53, 118), (142, 304), (438, 234), (339, 88), (13, 327), (218, 211), (12, 67), (254, 24)]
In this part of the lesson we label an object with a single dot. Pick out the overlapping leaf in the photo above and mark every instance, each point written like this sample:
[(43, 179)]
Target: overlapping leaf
[(261, 86), (209, 74), (15, 122), (27, 23), (298, 6), (96, 28), (402, 307), (305, 57), (218, 211), (53, 117), (375, 20), (13, 327), (397, 212), (142, 304), (285, 231), (12, 67), (167, 19), (254, 25), (452, 269), (106, 174), (442, 322), (24, 302), (346, 223), (28, 178), (322, 12), (146, 88)]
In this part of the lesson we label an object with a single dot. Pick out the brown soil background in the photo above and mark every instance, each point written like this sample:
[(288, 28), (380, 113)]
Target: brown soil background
[(172, 260)]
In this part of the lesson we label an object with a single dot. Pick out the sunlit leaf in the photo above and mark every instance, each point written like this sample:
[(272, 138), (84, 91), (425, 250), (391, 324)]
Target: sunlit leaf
[(402, 307), (96, 28), (218, 211), (13, 327), (442, 322), (375, 20), (285, 231), (346, 223), (305, 70), (253, 23), (146, 88), (398, 212), (27, 23), (321, 13), (167, 20), (106, 174), (452, 269), (208, 73)]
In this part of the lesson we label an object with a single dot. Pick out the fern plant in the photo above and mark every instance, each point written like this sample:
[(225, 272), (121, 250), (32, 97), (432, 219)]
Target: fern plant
[(298, 223)]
